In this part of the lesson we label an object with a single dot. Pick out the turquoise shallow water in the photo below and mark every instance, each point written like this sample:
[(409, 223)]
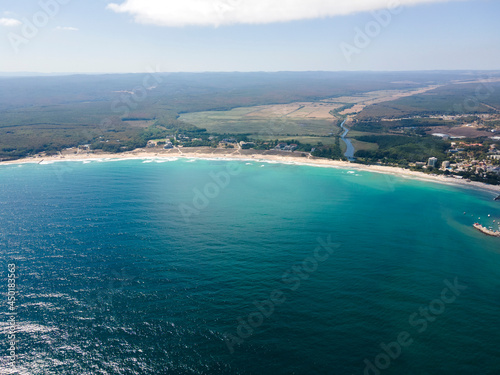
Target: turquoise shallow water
[(129, 267)]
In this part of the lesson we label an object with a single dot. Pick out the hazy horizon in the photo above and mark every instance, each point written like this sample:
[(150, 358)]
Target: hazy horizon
[(48, 74)]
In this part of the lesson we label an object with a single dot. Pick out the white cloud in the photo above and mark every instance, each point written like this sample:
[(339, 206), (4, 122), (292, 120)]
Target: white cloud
[(9, 22), (227, 12), (66, 28)]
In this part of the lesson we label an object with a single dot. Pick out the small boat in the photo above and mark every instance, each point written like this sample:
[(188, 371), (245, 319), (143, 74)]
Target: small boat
[(497, 198)]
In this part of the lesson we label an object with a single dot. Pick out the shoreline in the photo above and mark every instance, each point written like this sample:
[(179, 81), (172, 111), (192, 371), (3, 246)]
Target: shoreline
[(293, 159)]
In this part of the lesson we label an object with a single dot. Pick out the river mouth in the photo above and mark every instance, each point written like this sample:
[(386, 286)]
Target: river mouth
[(349, 154)]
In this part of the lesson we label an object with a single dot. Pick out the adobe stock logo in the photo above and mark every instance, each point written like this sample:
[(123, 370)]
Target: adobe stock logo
[(30, 28), (211, 190), (130, 102), (472, 103), (363, 38), (290, 281), (420, 322)]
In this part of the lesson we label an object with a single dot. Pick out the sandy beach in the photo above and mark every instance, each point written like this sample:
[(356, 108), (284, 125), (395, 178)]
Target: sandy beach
[(263, 156)]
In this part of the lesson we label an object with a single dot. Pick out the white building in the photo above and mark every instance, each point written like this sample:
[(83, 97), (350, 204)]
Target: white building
[(432, 162)]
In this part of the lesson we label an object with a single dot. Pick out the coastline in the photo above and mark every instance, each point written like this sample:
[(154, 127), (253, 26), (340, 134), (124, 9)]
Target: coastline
[(249, 155)]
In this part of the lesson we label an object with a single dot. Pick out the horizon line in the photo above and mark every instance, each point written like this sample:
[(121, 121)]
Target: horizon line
[(39, 74)]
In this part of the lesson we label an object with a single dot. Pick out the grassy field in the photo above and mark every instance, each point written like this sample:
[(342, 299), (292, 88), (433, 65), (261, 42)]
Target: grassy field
[(359, 146), (317, 118), (366, 146), (310, 110), (241, 121)]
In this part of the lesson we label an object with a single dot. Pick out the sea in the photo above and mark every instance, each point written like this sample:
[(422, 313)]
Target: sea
[(192, 266)]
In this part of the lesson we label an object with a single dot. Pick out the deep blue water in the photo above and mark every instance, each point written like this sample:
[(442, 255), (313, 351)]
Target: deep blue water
[(119, 272)]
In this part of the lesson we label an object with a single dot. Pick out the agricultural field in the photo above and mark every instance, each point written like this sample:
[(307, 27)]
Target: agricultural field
[(360, 102), (320, 118), (452, 99), (297, 119), (310, 110), (464, 131)]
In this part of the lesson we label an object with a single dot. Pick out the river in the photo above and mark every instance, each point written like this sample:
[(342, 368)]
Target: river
[(349, 154)]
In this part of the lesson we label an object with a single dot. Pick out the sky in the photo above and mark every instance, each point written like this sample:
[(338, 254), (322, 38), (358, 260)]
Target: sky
[(128, 36)]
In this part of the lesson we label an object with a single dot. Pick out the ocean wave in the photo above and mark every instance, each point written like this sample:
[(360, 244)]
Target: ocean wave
[(26, 327), (165, 160)]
